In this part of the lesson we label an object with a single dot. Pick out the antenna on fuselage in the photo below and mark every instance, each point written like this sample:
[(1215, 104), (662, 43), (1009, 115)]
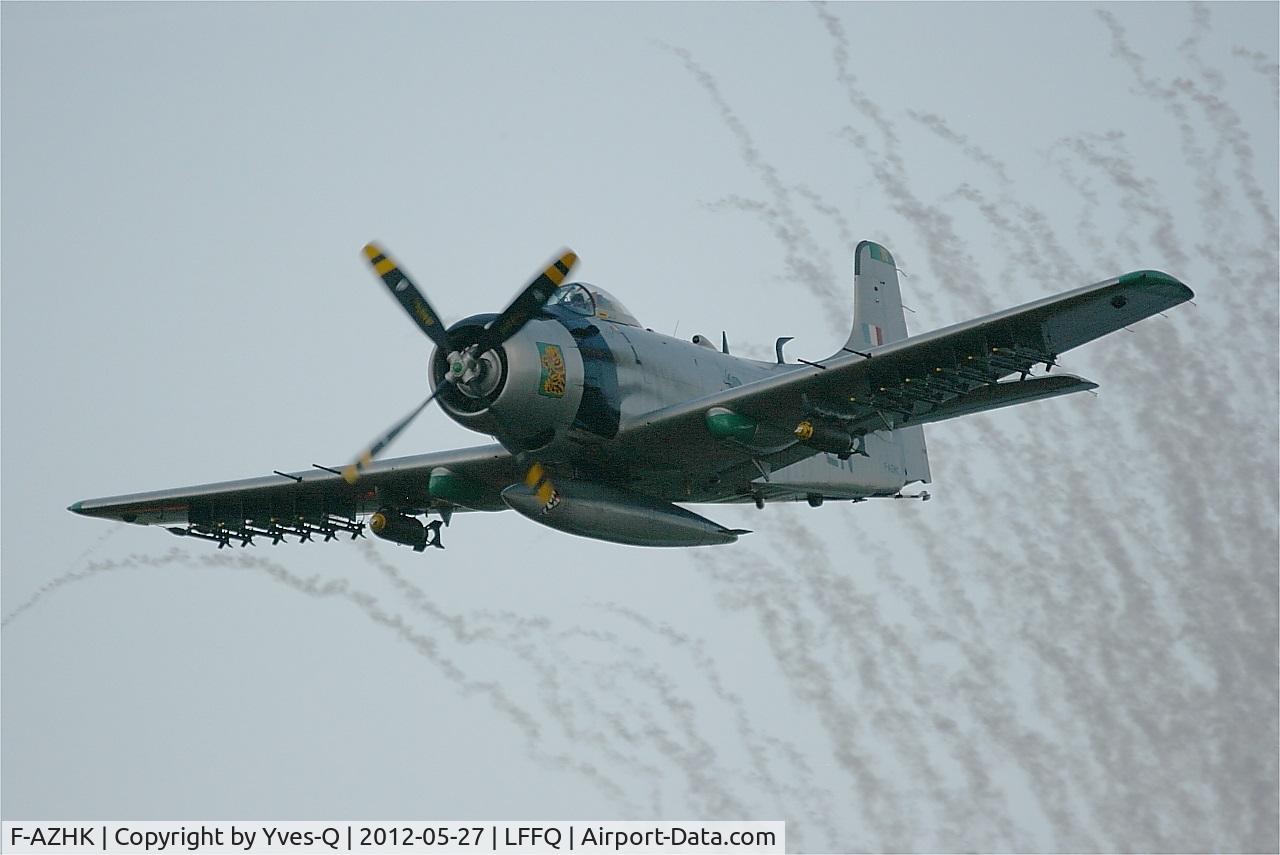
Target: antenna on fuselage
[(777, 347)]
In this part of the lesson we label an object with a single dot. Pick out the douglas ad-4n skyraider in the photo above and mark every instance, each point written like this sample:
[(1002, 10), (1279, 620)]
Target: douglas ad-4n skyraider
[(603, 426)]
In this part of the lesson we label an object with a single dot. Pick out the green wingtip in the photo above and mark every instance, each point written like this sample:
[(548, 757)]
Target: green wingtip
[(1148, 275), (76, 507), (1158, 278), (879, 253), (875, 251)]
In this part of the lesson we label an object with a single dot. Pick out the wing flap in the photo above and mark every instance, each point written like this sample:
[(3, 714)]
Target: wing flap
[(1000, 395)]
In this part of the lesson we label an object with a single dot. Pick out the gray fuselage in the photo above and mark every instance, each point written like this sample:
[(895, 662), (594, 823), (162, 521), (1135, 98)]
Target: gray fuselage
[(572, 383)]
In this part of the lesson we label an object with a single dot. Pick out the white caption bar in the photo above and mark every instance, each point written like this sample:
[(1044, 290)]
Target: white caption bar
[(443, 837)]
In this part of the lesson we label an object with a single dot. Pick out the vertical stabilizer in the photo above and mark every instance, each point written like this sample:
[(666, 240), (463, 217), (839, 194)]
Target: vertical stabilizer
[(877, 301), (878, 319)]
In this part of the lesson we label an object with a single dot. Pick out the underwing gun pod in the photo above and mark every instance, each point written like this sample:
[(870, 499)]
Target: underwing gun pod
[(605, 429)]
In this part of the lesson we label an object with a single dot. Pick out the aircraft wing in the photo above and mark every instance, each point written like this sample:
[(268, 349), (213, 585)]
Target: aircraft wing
[(318, 501), (939, 375)]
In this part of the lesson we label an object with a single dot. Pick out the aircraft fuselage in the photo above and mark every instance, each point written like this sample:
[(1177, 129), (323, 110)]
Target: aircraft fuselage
[(571, 383)]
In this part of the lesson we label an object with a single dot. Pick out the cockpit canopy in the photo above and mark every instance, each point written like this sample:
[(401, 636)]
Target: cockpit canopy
[(585, 299)]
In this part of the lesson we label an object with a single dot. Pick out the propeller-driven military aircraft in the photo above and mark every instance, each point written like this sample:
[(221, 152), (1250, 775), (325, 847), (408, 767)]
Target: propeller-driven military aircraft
[(603, 426)]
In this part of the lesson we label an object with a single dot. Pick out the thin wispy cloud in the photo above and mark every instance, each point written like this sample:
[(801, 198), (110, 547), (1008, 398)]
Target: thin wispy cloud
[(1110, 606)]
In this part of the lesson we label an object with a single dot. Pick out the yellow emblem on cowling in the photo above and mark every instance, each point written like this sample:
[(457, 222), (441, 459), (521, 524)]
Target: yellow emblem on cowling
[(554, 376)]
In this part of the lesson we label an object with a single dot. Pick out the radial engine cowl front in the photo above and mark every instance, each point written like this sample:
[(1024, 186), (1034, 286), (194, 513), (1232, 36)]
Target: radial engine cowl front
[(525, 391)]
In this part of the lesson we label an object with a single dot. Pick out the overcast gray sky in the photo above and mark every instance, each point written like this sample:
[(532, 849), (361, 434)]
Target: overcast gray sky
[(1072, 647)]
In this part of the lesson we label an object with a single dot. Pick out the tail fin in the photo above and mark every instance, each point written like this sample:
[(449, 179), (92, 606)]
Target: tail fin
[(877, 301), (878, 319)]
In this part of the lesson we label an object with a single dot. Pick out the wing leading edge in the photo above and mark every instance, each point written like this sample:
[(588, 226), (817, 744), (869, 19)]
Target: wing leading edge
[(318, 501)]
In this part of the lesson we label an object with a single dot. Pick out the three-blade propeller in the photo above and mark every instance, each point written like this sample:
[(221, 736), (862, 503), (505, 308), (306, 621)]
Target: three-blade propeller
[(463, 358)]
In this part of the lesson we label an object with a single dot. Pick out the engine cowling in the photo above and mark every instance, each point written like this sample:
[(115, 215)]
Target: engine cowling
[(525, 391)]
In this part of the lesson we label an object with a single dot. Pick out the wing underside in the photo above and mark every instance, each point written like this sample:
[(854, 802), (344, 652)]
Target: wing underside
[(318, 502)]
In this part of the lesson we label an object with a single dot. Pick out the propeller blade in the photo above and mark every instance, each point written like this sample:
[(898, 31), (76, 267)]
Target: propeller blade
[(537, 480), (527, 302), (407, 294), (352, 472)]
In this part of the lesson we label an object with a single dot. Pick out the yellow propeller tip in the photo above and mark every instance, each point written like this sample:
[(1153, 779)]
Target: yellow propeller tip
[(351, 474), (372, 251)]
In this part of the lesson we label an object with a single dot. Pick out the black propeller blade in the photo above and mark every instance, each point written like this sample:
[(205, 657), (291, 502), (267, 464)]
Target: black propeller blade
[(408, 295), (537, 480), (352, 472), (527, 302)]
